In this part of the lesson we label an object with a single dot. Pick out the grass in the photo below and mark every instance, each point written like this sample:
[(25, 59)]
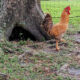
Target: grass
[(40, 69), (55, 9), (42, 66)]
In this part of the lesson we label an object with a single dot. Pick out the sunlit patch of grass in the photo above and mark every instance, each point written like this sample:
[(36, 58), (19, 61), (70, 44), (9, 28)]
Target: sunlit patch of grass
[(55, 9)]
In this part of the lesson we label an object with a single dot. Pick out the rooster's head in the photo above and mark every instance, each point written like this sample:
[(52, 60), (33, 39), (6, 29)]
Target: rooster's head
[(67, 9)]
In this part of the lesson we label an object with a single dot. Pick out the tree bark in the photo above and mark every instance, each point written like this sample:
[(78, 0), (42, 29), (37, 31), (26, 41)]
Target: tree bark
[(26, 13)]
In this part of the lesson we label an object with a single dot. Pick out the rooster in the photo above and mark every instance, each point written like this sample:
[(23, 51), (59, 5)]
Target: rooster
[(60, 28)]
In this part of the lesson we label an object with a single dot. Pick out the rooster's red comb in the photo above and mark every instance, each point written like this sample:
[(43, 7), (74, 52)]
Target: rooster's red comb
[(68, 8)]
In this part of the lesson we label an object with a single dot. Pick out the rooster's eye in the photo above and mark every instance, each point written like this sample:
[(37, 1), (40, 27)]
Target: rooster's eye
[(66, 10)]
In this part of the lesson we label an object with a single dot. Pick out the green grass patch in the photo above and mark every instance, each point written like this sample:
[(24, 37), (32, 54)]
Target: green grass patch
[(55, 8)]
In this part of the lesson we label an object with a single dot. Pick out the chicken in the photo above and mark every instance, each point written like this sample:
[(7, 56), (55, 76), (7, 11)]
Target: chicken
[(60, 28)]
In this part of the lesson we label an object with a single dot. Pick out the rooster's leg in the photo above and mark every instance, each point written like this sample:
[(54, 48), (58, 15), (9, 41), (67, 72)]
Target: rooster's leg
[(57, 47)]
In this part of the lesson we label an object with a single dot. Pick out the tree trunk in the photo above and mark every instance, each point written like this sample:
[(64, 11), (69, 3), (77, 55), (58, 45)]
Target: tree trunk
[(26, 14)]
